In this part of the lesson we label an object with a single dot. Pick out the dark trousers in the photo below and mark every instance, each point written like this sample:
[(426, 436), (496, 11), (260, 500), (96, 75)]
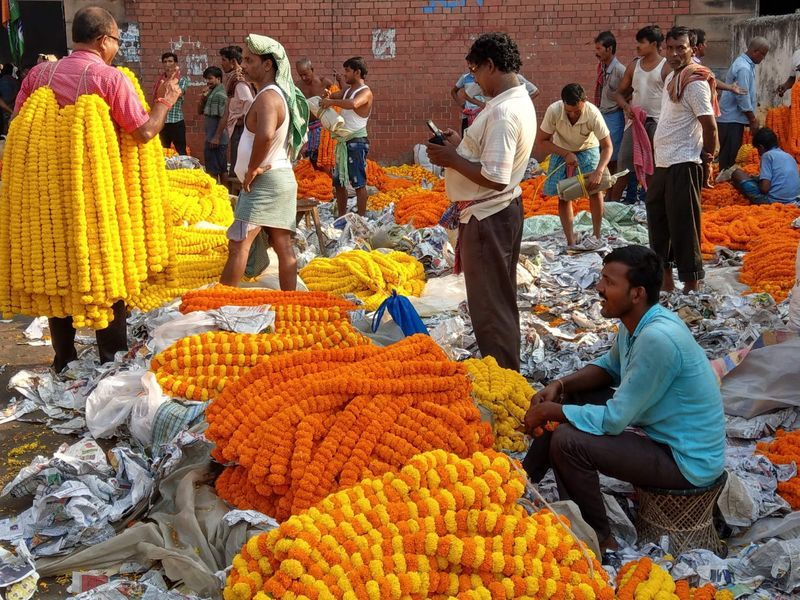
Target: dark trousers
[(673, 218), (489, 251), (174, 134), (730, 140), (110, 340), (577, 457), (234, 146)]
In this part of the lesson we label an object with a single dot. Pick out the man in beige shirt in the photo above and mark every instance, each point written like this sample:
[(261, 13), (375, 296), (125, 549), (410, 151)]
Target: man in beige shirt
[(482, 176), (576, 137)]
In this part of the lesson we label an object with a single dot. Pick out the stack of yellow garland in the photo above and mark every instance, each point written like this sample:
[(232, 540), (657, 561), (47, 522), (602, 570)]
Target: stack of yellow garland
[(442, 527), (383, 199), (303, 425), (507, 394), (86, 216), (201, 213), (643, 579), (370, 276)]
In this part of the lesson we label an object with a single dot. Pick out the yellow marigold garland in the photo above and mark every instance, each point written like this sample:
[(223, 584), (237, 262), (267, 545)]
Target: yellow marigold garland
[(442, 527), (370, 276), (642, 579), (383, 199), (507, 394)]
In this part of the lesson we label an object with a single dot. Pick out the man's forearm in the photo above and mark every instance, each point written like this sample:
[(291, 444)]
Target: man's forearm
[(548, 147), (709, 138), (347, 104), (223, 123), (261, 145), (605, 157), (158, 115), (590, 377)]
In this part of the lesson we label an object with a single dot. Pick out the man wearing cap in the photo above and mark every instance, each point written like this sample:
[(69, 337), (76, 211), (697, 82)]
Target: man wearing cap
[(275, 128)]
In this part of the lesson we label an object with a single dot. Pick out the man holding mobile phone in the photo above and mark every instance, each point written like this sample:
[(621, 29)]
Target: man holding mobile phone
[(482, 176)]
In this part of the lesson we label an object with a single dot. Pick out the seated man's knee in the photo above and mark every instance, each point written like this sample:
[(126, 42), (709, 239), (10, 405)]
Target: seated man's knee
[(565, 440)]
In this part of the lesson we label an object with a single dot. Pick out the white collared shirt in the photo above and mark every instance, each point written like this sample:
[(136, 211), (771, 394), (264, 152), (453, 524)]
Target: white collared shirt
[(501, 139)]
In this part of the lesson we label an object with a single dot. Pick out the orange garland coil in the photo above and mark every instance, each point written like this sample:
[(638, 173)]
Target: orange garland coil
[(303, 425), (222, 295), (198, 367), (420, 209), (738, 227), (642, 578)]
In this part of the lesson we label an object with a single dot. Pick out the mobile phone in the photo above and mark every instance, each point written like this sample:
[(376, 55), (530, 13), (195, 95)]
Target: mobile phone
[(438, 136)]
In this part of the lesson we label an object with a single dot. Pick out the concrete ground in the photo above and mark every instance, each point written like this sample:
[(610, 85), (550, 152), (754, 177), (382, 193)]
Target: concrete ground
[(21, 442)]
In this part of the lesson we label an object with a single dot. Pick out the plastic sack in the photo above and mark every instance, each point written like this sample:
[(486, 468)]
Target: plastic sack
[(143, 412), (402, 313), (258, 258), (135, 394), (441, 294)]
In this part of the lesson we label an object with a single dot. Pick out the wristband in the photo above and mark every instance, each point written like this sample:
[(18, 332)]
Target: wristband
[(563, 390), (164, 101)]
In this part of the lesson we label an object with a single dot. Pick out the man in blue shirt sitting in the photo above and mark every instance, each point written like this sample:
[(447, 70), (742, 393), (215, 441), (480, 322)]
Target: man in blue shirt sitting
[(738, 111), (665, 388), (778, 179)]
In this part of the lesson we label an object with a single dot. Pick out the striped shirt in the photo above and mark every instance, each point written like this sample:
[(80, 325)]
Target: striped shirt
[(84, 72)]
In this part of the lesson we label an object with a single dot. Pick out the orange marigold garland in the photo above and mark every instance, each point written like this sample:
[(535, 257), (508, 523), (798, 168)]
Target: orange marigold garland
[(442, 527), (421, 209), (738, 227), (316, 421), (197, 367), (222, 295), (785, 449), (534, 202), (770, 266), (313, 183)]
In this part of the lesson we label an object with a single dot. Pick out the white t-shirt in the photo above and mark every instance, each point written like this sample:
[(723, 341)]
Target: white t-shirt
[(585, 133), (679, 135), (795, 63), (501, 139)]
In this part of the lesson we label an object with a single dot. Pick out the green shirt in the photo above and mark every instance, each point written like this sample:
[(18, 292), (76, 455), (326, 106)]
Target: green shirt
[(215, 102), (175, 113)]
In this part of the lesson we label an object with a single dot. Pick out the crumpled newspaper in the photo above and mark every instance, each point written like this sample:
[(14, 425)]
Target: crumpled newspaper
[(776, 560), (77, 495)]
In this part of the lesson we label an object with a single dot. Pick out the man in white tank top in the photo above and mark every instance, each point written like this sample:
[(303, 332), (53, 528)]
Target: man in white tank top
[(353, 143), (641, 86)]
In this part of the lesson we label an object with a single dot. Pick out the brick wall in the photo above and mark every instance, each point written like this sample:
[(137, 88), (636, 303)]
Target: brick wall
[(414, 48)]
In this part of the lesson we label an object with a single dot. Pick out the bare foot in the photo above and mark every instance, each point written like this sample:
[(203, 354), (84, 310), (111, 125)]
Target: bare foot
[(610, 543), (668, 283), (690, 286)]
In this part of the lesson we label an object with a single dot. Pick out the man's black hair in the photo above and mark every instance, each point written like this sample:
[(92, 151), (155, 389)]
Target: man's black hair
[(232, 53), (8, 69), (356, 63), (213, 72), (701, 36), (645, 268), (171, 55), (500, 48), (679, 31), (651, 33), (91, 23), (572, 93), (766, 138), (608, 40)]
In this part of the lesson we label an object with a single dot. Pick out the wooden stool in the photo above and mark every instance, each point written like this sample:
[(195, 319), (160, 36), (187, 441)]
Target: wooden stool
[(234, 185), (308, 208), (685, 516)]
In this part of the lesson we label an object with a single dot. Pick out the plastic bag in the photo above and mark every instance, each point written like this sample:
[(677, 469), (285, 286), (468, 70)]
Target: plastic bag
[(144, 409), (402, 313), (258, 259), (135, 394)]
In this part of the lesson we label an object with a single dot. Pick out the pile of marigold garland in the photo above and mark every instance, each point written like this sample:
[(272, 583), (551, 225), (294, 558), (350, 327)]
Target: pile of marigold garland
[(305, 424), (643, 579), (370, 276), (507, 394), (219, 295), (443, 526), (784, 450), (198, 367)]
